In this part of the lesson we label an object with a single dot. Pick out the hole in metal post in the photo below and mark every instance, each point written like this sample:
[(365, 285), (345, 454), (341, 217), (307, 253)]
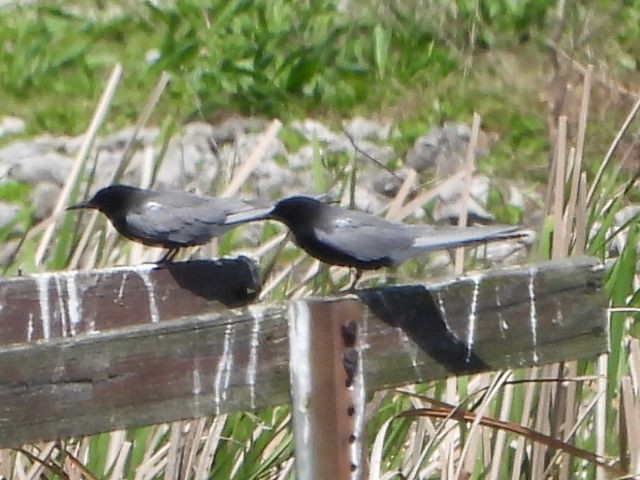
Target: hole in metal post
[(350, 363), (349, 331)]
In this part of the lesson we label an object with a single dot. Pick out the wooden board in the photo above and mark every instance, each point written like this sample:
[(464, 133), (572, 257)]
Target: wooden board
[(231, 360)]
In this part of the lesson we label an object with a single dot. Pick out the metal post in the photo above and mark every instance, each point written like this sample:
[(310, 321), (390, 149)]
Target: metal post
[(328, 391)]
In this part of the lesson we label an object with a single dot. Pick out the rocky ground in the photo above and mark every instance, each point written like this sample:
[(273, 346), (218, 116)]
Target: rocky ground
[(204, 155)]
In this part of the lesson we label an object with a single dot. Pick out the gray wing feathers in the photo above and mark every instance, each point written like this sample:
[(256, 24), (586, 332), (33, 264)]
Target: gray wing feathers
[(367, 242), (191, 222)]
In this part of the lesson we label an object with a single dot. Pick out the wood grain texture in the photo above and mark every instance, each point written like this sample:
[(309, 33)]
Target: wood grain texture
[(237, 359), (63, 304)]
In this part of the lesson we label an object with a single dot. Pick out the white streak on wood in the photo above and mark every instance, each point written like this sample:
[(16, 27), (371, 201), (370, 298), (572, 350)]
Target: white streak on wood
[(411, 349), (224, 368), (42, 282), (504, 326), (61, 307), (153, 306), (197, 382), (473, 314), (122, 282), (443, 311), (229, 363), (30, 327), (73, 303), (254, 346), (533, 315)]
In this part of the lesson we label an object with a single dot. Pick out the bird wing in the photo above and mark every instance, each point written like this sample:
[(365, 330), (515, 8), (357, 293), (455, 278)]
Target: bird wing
[(181, 220), (364, 237)]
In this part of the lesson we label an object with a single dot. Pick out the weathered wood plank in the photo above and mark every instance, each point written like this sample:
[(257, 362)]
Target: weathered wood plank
[(145, 374), (499, 319), (238, 359), (61, 304)]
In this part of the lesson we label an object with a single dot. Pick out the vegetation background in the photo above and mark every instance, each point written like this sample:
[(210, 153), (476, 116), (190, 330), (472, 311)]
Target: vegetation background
[(519, 64)]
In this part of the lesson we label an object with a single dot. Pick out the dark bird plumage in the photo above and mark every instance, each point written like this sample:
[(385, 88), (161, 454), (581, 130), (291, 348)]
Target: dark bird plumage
[(339, 236), (168, 219)]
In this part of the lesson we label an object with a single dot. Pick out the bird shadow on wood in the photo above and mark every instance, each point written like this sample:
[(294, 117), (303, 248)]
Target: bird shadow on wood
[(413, 309), (234, 282)]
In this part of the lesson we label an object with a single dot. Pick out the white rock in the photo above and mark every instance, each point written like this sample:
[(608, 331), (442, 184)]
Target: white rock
[(11, 125), (43, 198), (8, 212), (361, 128), (47, 167)]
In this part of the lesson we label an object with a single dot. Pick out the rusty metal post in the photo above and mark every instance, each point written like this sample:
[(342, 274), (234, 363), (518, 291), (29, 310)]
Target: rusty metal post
[(328, 390)]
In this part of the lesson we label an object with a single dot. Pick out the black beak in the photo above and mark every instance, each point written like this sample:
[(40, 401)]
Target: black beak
[(250, 215), (81, 205)]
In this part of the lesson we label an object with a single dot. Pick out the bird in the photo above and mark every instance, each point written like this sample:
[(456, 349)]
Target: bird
[(171, 220), (349, 238)]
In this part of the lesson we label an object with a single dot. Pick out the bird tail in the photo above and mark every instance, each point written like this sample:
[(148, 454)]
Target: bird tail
[(440, 238)]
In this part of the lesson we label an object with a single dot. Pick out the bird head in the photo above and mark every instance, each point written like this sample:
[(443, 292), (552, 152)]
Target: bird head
[(297, 210), (110, 200)]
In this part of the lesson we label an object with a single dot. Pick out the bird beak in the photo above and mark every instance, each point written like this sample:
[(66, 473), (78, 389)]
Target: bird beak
[(251, 215), (81, 205)]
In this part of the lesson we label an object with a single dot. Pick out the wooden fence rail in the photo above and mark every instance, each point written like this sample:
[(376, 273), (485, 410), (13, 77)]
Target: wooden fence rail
[(87, 352)]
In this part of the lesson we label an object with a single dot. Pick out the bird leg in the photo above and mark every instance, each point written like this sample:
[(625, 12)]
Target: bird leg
[(356, 277), (169, 256)]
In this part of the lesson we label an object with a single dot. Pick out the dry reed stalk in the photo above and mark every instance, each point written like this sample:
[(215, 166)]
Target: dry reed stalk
[(500, 442), (278, 278), (610, 152), (80, 247), (141, 122), (43, 451), (630, 410), (427, 196), (377, 448), (282, 431), (570, 210), (118, 470), (464, 201), (213, 438), (401, 196), (152, 450), (471, 446), (583, 116), (5, 462), (558, 190), (96, 122), (192, 446), (116, 440), (250, 164), (519, 455), (542, 422), (174, 453), (601, 413), (570, 412), (139, 253), (552, 174), (154, 465), (451, 437), (581, 217)]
